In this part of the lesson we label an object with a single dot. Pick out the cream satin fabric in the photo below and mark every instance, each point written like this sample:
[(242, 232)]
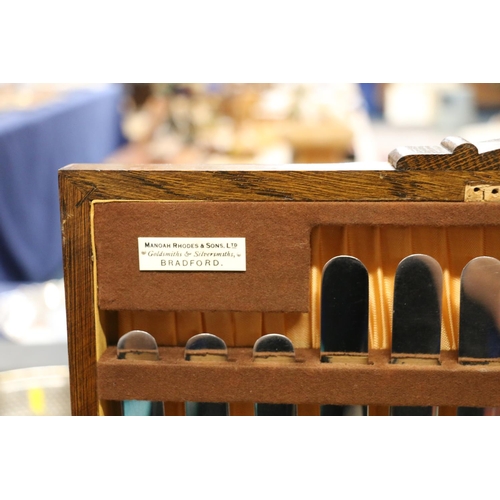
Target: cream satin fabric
[(379, 248), (382, 248)]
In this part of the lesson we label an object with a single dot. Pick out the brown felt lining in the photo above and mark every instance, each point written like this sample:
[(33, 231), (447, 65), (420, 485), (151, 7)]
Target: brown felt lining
[(278, 248), (307, 381)]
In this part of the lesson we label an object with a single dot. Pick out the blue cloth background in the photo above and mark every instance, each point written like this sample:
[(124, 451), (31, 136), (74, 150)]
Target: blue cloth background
[(81, 127)]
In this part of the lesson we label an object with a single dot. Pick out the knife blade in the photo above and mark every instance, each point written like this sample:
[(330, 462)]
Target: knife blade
[(479, 324), (416, 320), (344, 316)]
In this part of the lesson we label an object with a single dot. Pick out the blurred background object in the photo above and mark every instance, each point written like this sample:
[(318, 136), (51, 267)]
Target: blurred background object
[(245, 123), (299, 123), (44, 127)]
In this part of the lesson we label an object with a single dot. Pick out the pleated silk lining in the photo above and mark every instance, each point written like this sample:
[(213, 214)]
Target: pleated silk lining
[(379, 248)]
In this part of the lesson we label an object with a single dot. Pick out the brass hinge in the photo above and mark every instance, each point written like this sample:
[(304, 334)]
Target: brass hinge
[(482, 192)]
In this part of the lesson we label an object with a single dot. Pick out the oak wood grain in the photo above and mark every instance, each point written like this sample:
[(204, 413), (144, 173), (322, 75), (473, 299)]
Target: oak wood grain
[(284, 185), (78, 281), (454, 153)]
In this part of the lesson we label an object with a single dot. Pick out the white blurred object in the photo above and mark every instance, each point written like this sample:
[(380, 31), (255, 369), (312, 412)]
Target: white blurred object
[(445, 105), (277, 102), (309, 102), (410, 104), (138, 126), (34, 313), (279, 154)]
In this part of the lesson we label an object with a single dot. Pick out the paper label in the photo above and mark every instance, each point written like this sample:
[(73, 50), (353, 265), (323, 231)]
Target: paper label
[(192, 254)]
